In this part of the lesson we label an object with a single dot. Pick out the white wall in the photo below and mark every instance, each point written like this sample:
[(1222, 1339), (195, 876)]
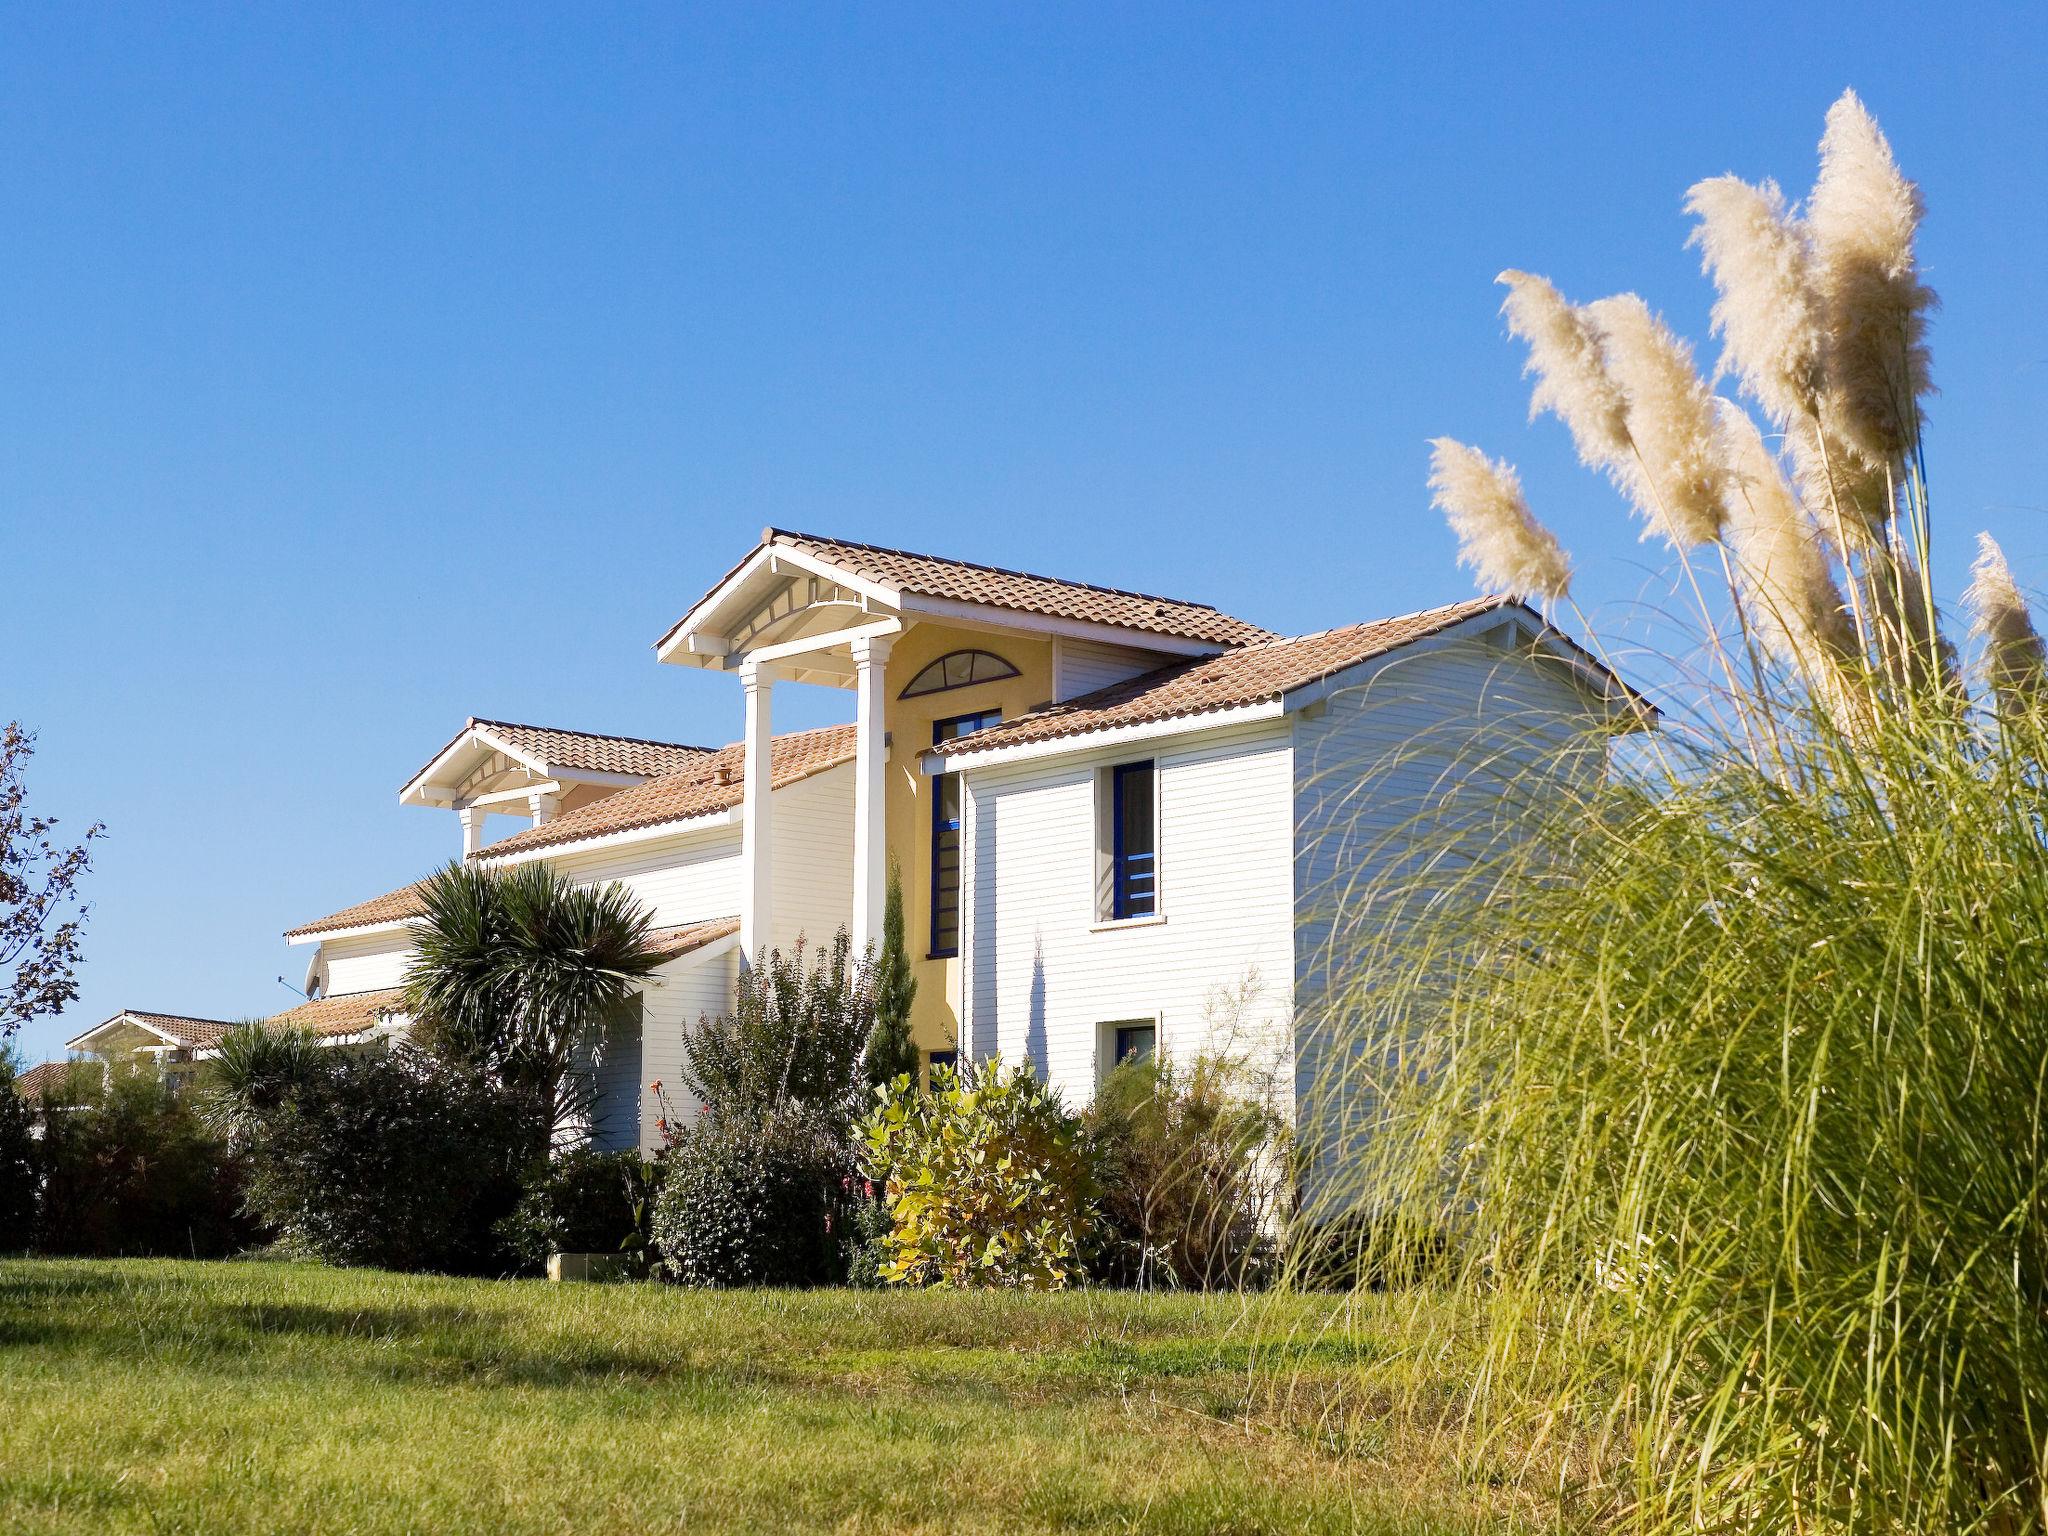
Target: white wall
[(369, 963), (1043, 974), (684, 992), (813, 869), (1082, 666), (1414, 764)]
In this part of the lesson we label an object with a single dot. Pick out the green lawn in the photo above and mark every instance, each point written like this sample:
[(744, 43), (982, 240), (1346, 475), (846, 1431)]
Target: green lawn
[(178, 1397)]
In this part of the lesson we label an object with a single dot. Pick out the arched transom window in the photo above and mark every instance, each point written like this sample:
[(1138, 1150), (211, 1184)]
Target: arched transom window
[(958, 669)]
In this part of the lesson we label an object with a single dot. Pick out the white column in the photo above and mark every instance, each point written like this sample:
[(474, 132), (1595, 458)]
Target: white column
[(472, 818), (870, 790), (757, 895), (542, 804)]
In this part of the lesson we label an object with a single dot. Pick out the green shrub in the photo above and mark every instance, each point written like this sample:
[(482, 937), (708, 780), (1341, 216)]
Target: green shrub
[(394, 1159), (985, 1178), (1190, 1171), (795, 1037), (126, 1168), (584, 1201), (748, 1202), (17, 1159)]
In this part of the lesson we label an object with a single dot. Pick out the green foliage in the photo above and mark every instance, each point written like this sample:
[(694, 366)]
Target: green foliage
[(17, 1158), (891, 1053), (392, 1158), (755, 1202), (986, 1181), (42, 919), (794, 1038), (519, 974), (254, 1070), (125, 1167), (584, 1201), (1190, 1170)]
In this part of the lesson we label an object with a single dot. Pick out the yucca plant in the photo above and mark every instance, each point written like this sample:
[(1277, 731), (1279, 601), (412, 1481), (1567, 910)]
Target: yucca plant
[(1718, 1081)]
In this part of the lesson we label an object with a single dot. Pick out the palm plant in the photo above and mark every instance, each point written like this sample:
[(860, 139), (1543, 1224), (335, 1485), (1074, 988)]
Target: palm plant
[(1718, 1079), (255, 1069), (521, 973)]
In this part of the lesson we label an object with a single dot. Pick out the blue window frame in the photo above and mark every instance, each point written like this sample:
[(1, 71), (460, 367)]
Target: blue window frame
[(945, 915), (1134, 841), (1135, 1042)]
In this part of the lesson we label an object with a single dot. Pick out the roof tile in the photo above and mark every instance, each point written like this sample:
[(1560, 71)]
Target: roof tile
[(347, 1013), (1235, 678), (391, 907)]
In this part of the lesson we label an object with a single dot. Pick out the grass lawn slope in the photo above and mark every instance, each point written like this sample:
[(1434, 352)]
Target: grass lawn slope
[(178, 1397)]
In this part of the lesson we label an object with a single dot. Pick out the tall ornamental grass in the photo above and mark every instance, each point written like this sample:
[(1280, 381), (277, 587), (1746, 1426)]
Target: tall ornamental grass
[(1719, 1079)]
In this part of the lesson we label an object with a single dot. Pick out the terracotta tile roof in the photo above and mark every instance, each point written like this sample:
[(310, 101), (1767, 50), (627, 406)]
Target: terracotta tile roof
[(710, 786), (963, 581), (391, 907), (185, 1029), (1248, 676), (674, 943), (581, 749), (348, 1013), (50, 1076)]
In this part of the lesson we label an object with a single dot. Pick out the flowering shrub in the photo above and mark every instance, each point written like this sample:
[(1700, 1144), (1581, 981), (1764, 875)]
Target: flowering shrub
[(985, 1179)]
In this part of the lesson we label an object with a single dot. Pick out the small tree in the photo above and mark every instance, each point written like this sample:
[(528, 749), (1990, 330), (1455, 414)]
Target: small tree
[(41, 918), (795, 1037), (518, 974), (891, 1053)]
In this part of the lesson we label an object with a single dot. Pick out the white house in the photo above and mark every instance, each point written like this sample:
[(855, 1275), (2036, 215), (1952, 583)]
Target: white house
[(1122, 822)]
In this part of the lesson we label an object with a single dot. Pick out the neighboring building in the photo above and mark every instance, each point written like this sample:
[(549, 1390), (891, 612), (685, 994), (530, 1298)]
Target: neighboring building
[(1122, 822), (173, 1041)]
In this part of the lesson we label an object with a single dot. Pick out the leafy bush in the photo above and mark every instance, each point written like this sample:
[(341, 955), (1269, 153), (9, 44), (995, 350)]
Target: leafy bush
[(795, 1037), (391, 1158), (985, 1178), (891, 1052), (585, 1201), (17, 1158), (754, 1203), (126, 1167), (1190, 1172)]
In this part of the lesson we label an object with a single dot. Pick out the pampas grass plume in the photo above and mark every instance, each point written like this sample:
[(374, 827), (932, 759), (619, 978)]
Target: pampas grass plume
[(1498, 536), (2013, 655), (1780, 557), (1766, 314), (1675, 476), (1863, 217), (1571, 377)]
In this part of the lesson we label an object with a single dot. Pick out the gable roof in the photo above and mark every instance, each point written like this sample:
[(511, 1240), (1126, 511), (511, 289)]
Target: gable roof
[(179, 1029), (901, 571), (391, 907), (553, 747), (715, 784), (346, 1013), (44, 1077), (1252, 675)]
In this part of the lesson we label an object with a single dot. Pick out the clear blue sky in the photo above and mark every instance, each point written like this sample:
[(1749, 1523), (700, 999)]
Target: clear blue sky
[(362, 373)]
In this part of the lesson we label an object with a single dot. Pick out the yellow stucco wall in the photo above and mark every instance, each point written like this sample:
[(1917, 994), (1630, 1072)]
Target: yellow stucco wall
[(935, 1017)]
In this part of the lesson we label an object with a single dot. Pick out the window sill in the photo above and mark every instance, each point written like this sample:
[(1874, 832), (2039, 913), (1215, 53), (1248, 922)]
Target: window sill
[(1117, 924), (942, 954)]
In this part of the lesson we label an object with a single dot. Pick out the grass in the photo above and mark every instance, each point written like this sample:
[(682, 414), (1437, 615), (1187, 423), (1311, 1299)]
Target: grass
[(184, 1397)]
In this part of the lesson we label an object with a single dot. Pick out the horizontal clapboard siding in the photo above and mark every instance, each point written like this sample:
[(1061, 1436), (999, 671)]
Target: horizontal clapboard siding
[(367, 964), (1044, 976), (1086, 665)]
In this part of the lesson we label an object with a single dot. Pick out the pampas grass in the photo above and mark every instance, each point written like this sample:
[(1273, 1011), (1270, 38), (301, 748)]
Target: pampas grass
[(1716, 1083), (2013, 657), (1498, 536)]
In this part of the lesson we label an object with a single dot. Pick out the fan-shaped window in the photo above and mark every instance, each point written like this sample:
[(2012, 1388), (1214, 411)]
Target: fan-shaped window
[(958, 669)]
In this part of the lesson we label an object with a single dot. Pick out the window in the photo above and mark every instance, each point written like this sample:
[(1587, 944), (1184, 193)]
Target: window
[(958, 669), (1134, 842), (1134, 1042), (946, 833), (933, 1060)]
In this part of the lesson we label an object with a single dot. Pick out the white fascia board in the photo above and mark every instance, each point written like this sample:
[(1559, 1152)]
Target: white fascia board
[(1115, 736), (695, 958), (710, 821), (389, 925), (678, 647), (784, 649), (414, 793), (78, 1043), (1012, 619)]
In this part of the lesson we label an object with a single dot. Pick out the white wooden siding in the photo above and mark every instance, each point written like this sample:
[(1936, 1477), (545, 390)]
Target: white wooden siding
[(688, 878), (813, 870), (1082, 666), (683, 992), (1043, 974), (1412, 763), (369, 963)]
